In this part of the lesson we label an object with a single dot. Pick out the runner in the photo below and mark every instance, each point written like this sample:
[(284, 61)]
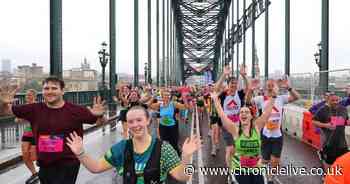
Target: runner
[(215, 123), (142, 159), (52, 121), (28, 143), (247, 140), (272, 137), (331, 118), (231, 100), (168, 127), (122, 99)]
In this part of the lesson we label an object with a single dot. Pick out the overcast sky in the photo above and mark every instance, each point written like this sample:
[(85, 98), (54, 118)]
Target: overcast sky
[(24, 33)]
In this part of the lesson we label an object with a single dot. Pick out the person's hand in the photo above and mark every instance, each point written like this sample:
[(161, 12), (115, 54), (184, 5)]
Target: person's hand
[(75, 143), (242, 70), (227, 70), (255, 84), (191, 145), (7, 93), (98, 107), (214, 95), (329, 126)]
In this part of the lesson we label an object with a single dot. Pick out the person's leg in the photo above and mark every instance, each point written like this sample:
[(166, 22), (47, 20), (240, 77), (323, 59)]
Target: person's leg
[(71, 174), (229, 150), (214, 139), (266, 150), (26, 148)]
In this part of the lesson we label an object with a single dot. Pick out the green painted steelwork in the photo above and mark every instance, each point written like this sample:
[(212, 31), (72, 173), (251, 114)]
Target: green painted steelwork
[(136, 42), (149, 20), (253, 37), (112, 48), (56, 38), (324, 76), (266, 39), (287, 37), (157, 30)]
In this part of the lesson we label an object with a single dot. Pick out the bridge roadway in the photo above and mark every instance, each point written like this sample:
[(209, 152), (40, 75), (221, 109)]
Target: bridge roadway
[(96, 143)]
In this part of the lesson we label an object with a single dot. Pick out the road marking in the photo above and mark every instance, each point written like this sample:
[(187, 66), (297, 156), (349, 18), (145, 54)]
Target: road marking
[(191, 134), (278, 181), (200, 155)]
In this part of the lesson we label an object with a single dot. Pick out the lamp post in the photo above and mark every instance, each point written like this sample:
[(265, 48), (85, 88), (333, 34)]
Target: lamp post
[(103, 55), (145, 70)]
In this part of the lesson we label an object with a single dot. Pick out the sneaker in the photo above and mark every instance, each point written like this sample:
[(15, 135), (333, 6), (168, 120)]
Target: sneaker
[(33, 179), (213, 151)]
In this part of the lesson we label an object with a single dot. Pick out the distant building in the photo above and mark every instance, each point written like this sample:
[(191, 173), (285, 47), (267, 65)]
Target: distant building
[(30, 72), (6, 65), (81, 79)]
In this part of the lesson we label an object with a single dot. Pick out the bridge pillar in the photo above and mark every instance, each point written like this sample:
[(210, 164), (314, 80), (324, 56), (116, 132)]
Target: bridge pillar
[(136, 42), (112, 48), (56, 38), (287, 37), (324, 44)]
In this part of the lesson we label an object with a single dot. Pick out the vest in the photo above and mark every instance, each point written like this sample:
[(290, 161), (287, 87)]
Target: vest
[(151, 172)]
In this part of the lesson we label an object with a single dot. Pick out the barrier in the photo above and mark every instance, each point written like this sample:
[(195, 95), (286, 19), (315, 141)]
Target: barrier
[(292, 121), (311, 134)]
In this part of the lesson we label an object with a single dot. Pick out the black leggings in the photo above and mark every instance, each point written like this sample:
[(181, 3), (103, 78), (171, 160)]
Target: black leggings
[(171, 135), (57, 174)]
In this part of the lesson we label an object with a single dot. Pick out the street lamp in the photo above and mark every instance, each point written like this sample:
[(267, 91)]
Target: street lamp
[(103, 56), (317, 55), (146, 69)]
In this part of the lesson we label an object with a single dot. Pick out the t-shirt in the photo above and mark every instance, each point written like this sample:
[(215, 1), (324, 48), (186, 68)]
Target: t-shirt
[(326, 115), (232, 104), (168, 159), (273, 127), (52, 126), (342, 163)]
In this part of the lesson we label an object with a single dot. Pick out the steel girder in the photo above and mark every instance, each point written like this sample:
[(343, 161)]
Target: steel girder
[(200, 26)]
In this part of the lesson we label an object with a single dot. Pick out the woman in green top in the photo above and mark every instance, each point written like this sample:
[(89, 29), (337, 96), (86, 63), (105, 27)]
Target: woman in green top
[(246, 139), (142, 159)]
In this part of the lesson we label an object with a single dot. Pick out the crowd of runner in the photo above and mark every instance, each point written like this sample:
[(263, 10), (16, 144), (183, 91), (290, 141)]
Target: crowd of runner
[(246, 115)]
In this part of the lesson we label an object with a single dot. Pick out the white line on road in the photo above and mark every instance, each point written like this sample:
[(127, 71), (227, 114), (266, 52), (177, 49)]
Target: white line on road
[(200, 155)]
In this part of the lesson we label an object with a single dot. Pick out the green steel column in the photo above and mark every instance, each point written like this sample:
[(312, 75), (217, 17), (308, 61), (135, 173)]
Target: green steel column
[(163, 45), (157, 30), (237, 62), (224, 48), (244, 37), (233, 43), (149, 67), (56, 38), (170, 46), (266, 39), (324, 44), (112, 50), (253, 38), (167, 43), (287, 37), (136, 42)]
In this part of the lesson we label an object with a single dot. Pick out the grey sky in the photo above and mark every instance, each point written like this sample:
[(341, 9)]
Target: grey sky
[(25, 33)]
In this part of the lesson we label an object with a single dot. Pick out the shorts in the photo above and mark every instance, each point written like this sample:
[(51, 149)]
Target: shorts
[(249, 178), (122, 115), (58, 174), (28, 139), (227, 137), (271, 146), (215, 120)]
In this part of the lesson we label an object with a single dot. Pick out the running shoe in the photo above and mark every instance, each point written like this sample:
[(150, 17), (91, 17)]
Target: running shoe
[(33, 179)]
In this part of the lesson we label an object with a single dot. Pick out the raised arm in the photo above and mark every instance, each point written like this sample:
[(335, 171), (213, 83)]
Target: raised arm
[(243, 73), (218, 84), (226, 122), (75, 143)]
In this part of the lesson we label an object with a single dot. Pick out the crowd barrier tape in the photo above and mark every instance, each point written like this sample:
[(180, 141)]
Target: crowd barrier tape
[(292, 122)]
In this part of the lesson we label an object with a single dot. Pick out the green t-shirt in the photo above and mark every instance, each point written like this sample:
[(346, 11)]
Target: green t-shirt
[(168, 159), (247, 150)]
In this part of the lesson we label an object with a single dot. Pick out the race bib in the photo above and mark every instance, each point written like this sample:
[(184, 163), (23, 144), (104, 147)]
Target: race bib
[(337, 121), (167, 121), (234, 118), (247, 161), (28, 134), (50, 143), (272, 125)]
